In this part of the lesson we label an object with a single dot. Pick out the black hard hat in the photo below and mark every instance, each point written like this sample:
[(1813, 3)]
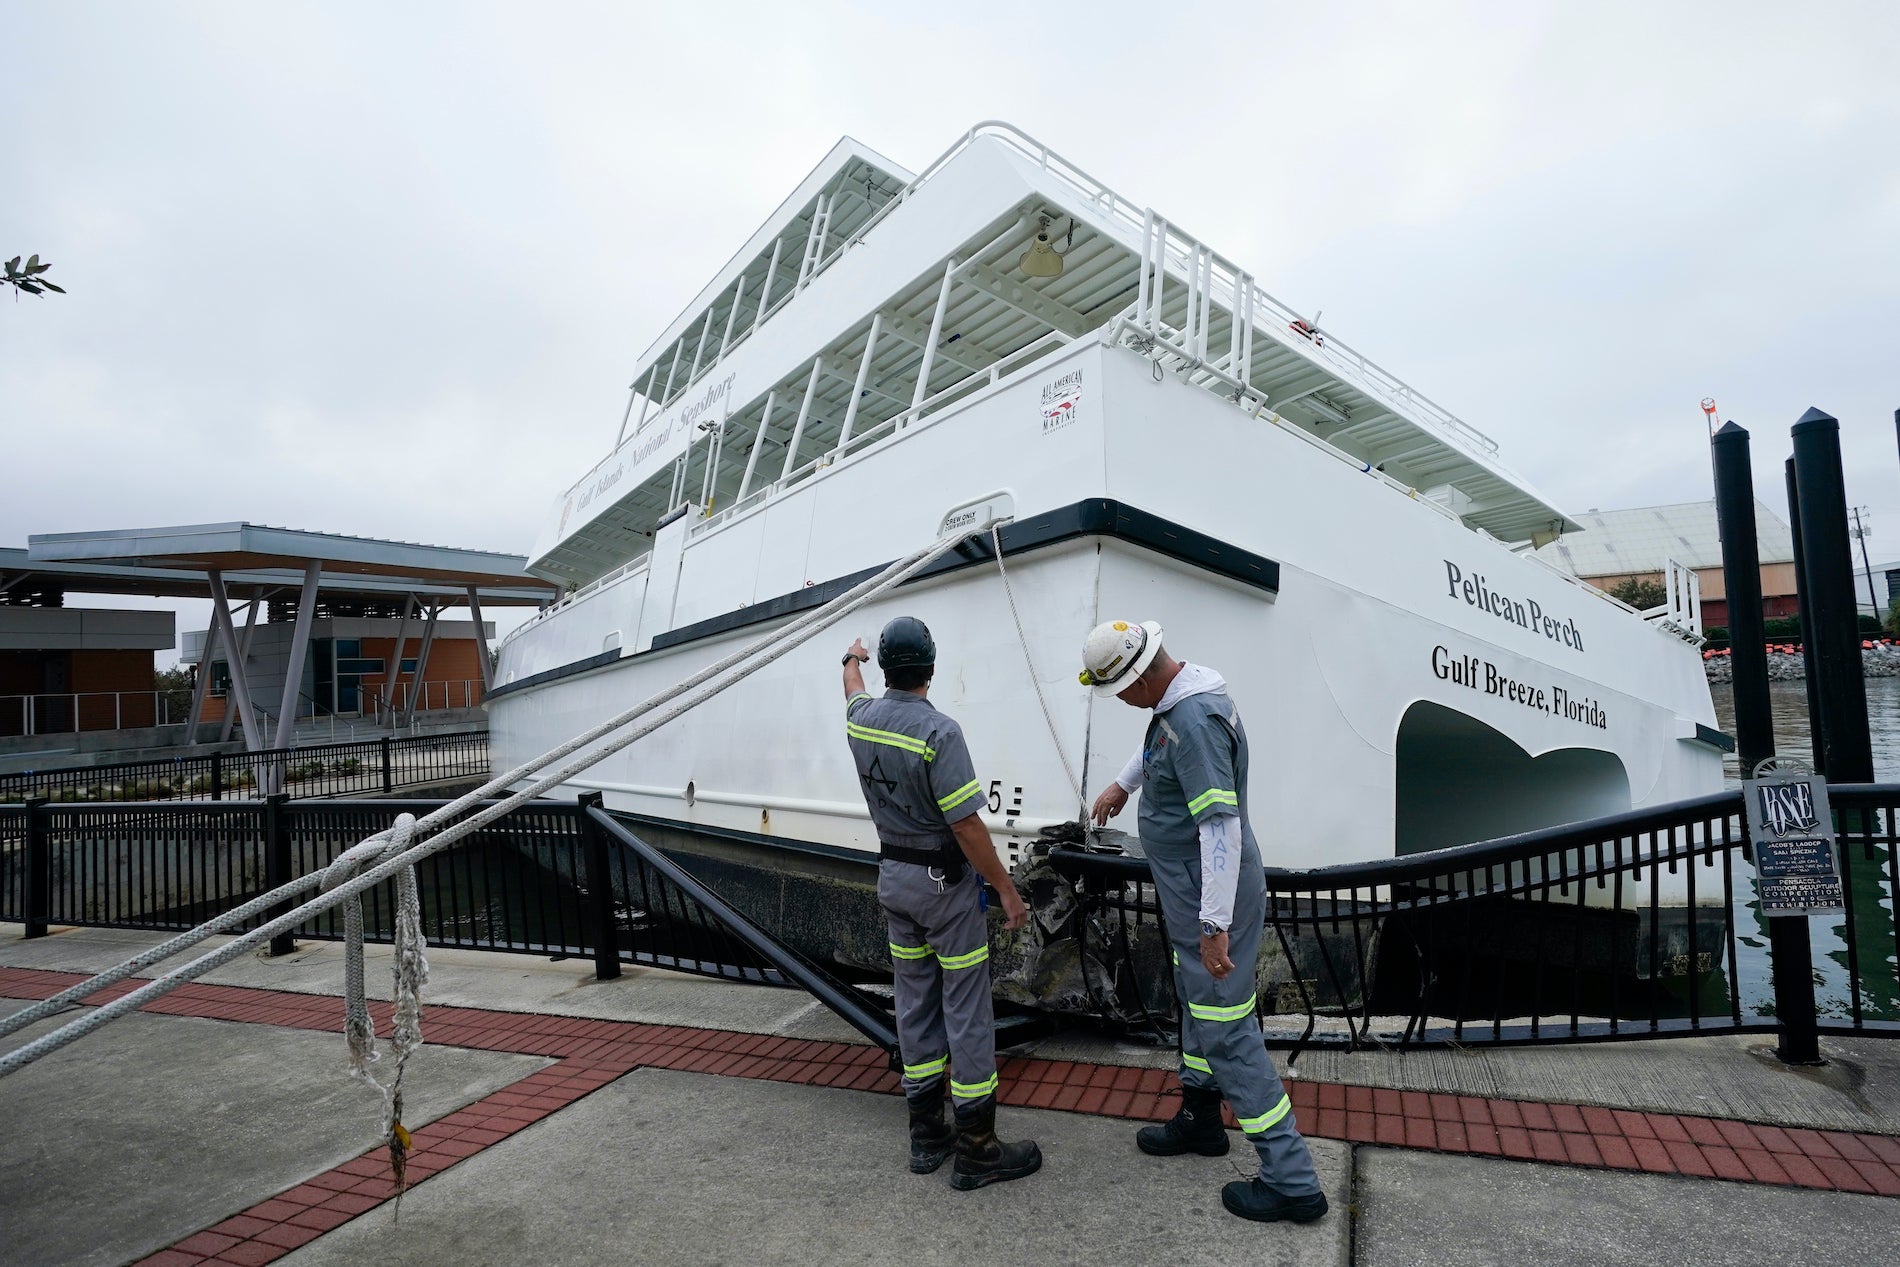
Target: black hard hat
[(906, 644)]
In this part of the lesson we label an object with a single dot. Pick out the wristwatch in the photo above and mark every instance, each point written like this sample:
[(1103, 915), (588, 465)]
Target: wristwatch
[(1209, 929), (861, 659)]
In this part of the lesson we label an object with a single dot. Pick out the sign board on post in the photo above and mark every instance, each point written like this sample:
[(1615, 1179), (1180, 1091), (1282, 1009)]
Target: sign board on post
[(1792, 831)]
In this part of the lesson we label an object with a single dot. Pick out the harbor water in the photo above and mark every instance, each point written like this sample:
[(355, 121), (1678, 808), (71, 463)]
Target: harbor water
[(1789, 700), (1873, 908)]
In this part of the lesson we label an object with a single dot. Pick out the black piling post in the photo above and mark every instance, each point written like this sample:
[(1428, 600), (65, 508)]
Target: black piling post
[(277, 863), (600, 888), (389, 771), (1807, 620), (1790, 951), (217, 776), (1741, 573), (39, 869), (1827, 579)]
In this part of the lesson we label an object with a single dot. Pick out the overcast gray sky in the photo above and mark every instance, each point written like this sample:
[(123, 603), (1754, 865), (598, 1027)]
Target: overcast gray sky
[(385, 269)]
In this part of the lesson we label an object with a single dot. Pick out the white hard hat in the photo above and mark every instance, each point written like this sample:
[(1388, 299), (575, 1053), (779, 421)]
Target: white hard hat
[(1117, 652)]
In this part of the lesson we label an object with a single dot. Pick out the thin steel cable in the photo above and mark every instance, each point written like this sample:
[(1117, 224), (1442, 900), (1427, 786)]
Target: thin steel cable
[(763, 652)]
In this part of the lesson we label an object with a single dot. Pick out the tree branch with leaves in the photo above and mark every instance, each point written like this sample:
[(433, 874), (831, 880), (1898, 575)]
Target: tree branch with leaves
[(30, 277)]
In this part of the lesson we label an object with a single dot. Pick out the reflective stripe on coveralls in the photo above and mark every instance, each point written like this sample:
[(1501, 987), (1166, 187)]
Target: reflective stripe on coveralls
[(1213, 796), (958, 797), (929, 1069), (892, 739), (952, 962), (1213, 1012)]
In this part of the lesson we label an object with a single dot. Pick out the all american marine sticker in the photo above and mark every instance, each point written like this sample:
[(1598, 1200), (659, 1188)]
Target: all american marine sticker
[(1059, 401)]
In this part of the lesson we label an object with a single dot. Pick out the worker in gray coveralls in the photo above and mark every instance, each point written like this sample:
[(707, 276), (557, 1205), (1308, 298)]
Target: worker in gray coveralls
[(924, 796), (1192, 772)]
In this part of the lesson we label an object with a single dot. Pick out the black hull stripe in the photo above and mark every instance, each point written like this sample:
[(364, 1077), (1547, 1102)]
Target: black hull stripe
[(1095, 517)]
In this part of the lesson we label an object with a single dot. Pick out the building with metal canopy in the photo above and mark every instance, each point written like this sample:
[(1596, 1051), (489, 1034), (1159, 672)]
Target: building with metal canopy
[(309, 584)]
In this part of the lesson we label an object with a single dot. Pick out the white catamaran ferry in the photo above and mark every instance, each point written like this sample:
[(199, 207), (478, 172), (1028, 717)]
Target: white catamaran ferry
[(892, 355)]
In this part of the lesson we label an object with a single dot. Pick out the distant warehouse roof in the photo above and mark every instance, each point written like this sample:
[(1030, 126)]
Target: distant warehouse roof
[(1630, 542)]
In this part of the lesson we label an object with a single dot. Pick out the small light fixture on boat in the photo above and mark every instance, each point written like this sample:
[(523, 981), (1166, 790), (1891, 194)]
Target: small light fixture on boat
[(1541, 537), (1042, 259)]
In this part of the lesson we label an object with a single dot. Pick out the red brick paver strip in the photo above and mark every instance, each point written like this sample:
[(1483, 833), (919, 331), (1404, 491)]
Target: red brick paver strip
[(589, 1054)]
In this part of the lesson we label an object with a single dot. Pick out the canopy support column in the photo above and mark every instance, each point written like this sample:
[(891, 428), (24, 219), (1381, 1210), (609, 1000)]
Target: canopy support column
[(481, 639), (243, 653), (386, 706), (240, 686), (422, 664), (299, 650), (202, 687)]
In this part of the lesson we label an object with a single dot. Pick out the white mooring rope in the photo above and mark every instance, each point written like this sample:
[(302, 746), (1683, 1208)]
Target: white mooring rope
[(392, 856), (996, 540)]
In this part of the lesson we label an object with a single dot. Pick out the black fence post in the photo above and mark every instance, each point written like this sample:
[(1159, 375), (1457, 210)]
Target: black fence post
[(389, 776), (39, 869), (600, 888), (1828, 579), (1741, 572), (1791, 957), (277, 863), (1790, 952), (217, 776)]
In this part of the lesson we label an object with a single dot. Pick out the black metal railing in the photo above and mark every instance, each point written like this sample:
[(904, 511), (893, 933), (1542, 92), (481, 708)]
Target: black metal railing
[(313, 770), (547, 878), (1637, 925)]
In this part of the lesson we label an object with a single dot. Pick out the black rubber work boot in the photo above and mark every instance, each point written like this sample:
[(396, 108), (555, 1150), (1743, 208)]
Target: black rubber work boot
[(932, 1139), (1196, 1128), (1252, 1199), (981, 1157)]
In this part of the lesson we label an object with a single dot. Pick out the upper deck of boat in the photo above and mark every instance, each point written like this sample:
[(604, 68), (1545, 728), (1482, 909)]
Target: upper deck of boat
[(871, 298)]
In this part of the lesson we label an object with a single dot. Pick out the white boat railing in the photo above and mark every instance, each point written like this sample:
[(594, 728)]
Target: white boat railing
[(1185, 255), (1241, 293), (1681, 612), (970, 388)]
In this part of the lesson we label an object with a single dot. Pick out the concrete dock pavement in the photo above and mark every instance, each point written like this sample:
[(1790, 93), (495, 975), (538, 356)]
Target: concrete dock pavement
[(682, 1168), (156, 1127), (662, 1118)]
